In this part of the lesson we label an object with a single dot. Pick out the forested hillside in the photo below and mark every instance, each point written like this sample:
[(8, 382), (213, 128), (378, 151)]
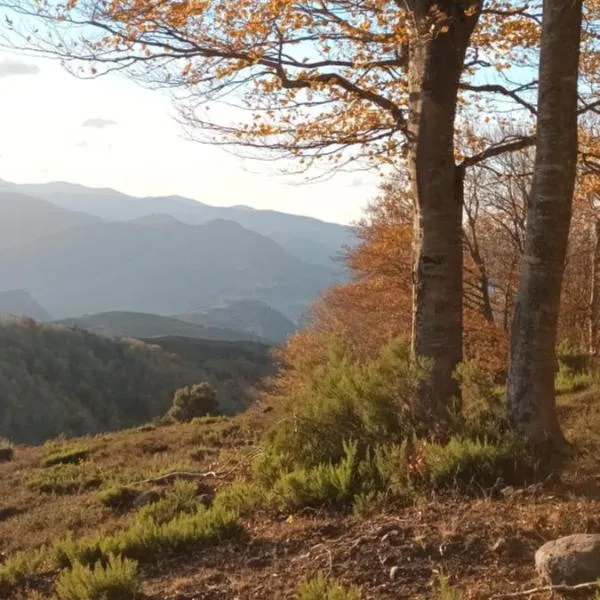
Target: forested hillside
[(55, 380)]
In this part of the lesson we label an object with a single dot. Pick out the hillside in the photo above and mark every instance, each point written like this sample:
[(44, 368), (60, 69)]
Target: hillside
[(165, 268), (250, 316), (145, 325), (309, 239), (20, 303), (26, 219), (55, 380), (484, 542)]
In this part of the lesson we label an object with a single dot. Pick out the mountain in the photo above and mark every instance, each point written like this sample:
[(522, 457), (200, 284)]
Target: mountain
[(309, 239), (25, 218), (160, 267), (20, 303), (148, 326), (250, 316), (55, 380)]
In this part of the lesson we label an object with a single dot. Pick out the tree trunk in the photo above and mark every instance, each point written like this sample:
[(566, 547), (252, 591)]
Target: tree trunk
[(530, 389), (436, 64), (594, 308)]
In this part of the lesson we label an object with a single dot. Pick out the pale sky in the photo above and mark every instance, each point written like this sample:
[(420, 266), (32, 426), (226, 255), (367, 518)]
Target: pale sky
[(111, 132)]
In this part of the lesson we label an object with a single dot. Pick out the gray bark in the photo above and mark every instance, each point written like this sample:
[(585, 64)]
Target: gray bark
[(530, 388), (594, 308), (435, 67)]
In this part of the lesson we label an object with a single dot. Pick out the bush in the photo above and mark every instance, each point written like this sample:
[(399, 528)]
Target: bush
[(464, 462), (117, 580), (372, 402), (118, 497), (193, 401), (146, 540), (321, 588), (67, 456), (7, 450), (180, 499), (482, 410), (18, 567), (63, 479), (568, 380), (242, 498)]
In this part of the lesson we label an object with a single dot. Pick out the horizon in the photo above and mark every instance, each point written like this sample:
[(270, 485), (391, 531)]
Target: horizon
[(111, 132)]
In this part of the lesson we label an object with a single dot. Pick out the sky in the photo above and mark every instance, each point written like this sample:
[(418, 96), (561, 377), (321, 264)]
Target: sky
[(111, 132)]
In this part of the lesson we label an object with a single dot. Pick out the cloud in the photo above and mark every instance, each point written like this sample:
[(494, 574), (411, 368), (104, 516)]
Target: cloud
[(99, 123), (11, 68)]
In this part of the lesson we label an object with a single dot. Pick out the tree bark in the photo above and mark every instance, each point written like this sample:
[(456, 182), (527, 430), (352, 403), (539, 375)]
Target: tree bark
[(530, 388), (436, 63), (594, 308)]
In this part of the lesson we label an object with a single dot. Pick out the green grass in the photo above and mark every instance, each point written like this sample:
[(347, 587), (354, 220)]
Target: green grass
[(322, 588), (67, 456), (115, 580), (64, 479)]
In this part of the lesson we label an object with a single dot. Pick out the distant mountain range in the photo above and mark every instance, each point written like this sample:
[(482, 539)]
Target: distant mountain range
[(19, 303), (80, 251)]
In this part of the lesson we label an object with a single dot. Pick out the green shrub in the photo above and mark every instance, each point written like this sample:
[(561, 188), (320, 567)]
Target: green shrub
[(447, 591), (464, 462), (146, 540), (321, 588), (7, 450), (181, 498), (18, 567), (372, 402), (118, 497), (193, 401), (569, 380), (115, 580), (242, 497), (63, 479), (67, 456), (482, 411)]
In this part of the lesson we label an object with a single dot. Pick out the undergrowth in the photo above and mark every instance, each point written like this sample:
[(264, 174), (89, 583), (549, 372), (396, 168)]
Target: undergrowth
[(322, 588), (7, 450)]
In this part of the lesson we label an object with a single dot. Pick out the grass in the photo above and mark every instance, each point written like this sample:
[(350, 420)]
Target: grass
[(322, 588), (118, 497), (67, 456), (64, 479), (116, 580)]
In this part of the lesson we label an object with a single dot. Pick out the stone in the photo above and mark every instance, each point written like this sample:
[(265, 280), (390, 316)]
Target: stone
[(569, 560), (394, 572)]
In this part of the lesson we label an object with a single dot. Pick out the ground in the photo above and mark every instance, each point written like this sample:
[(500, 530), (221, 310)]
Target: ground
[(484, 543)]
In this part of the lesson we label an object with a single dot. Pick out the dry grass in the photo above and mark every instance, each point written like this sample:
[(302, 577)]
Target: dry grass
[(485, 545)]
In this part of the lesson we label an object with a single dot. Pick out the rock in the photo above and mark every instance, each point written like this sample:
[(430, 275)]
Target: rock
[(569, 560), (394, 572), (144, 498)]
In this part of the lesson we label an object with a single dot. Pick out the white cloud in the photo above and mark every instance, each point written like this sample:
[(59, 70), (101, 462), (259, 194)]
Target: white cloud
[(146, 154), (99, 123), (12, 68)]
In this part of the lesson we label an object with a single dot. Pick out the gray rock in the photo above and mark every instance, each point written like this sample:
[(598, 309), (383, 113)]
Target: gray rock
[(144, 498), (569, 560)]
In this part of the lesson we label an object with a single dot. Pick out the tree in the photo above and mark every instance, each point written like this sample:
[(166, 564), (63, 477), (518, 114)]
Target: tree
[(193, 401), (353, 82), (530, 388)]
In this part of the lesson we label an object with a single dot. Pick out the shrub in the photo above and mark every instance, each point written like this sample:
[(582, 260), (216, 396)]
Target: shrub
[(193, 401), (118, 497), (63, 479), (482, 410), (242, 497), (117, 580), (464, 462), (18, 567), (373, 402), (447, 591), (181, 498), (7, 450), (568, 380), (146, 540), (67, 456), (321, 588)]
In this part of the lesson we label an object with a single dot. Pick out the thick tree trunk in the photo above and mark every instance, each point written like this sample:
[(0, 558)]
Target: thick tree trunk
[(531, 396), (594, 308), (436, 64)]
